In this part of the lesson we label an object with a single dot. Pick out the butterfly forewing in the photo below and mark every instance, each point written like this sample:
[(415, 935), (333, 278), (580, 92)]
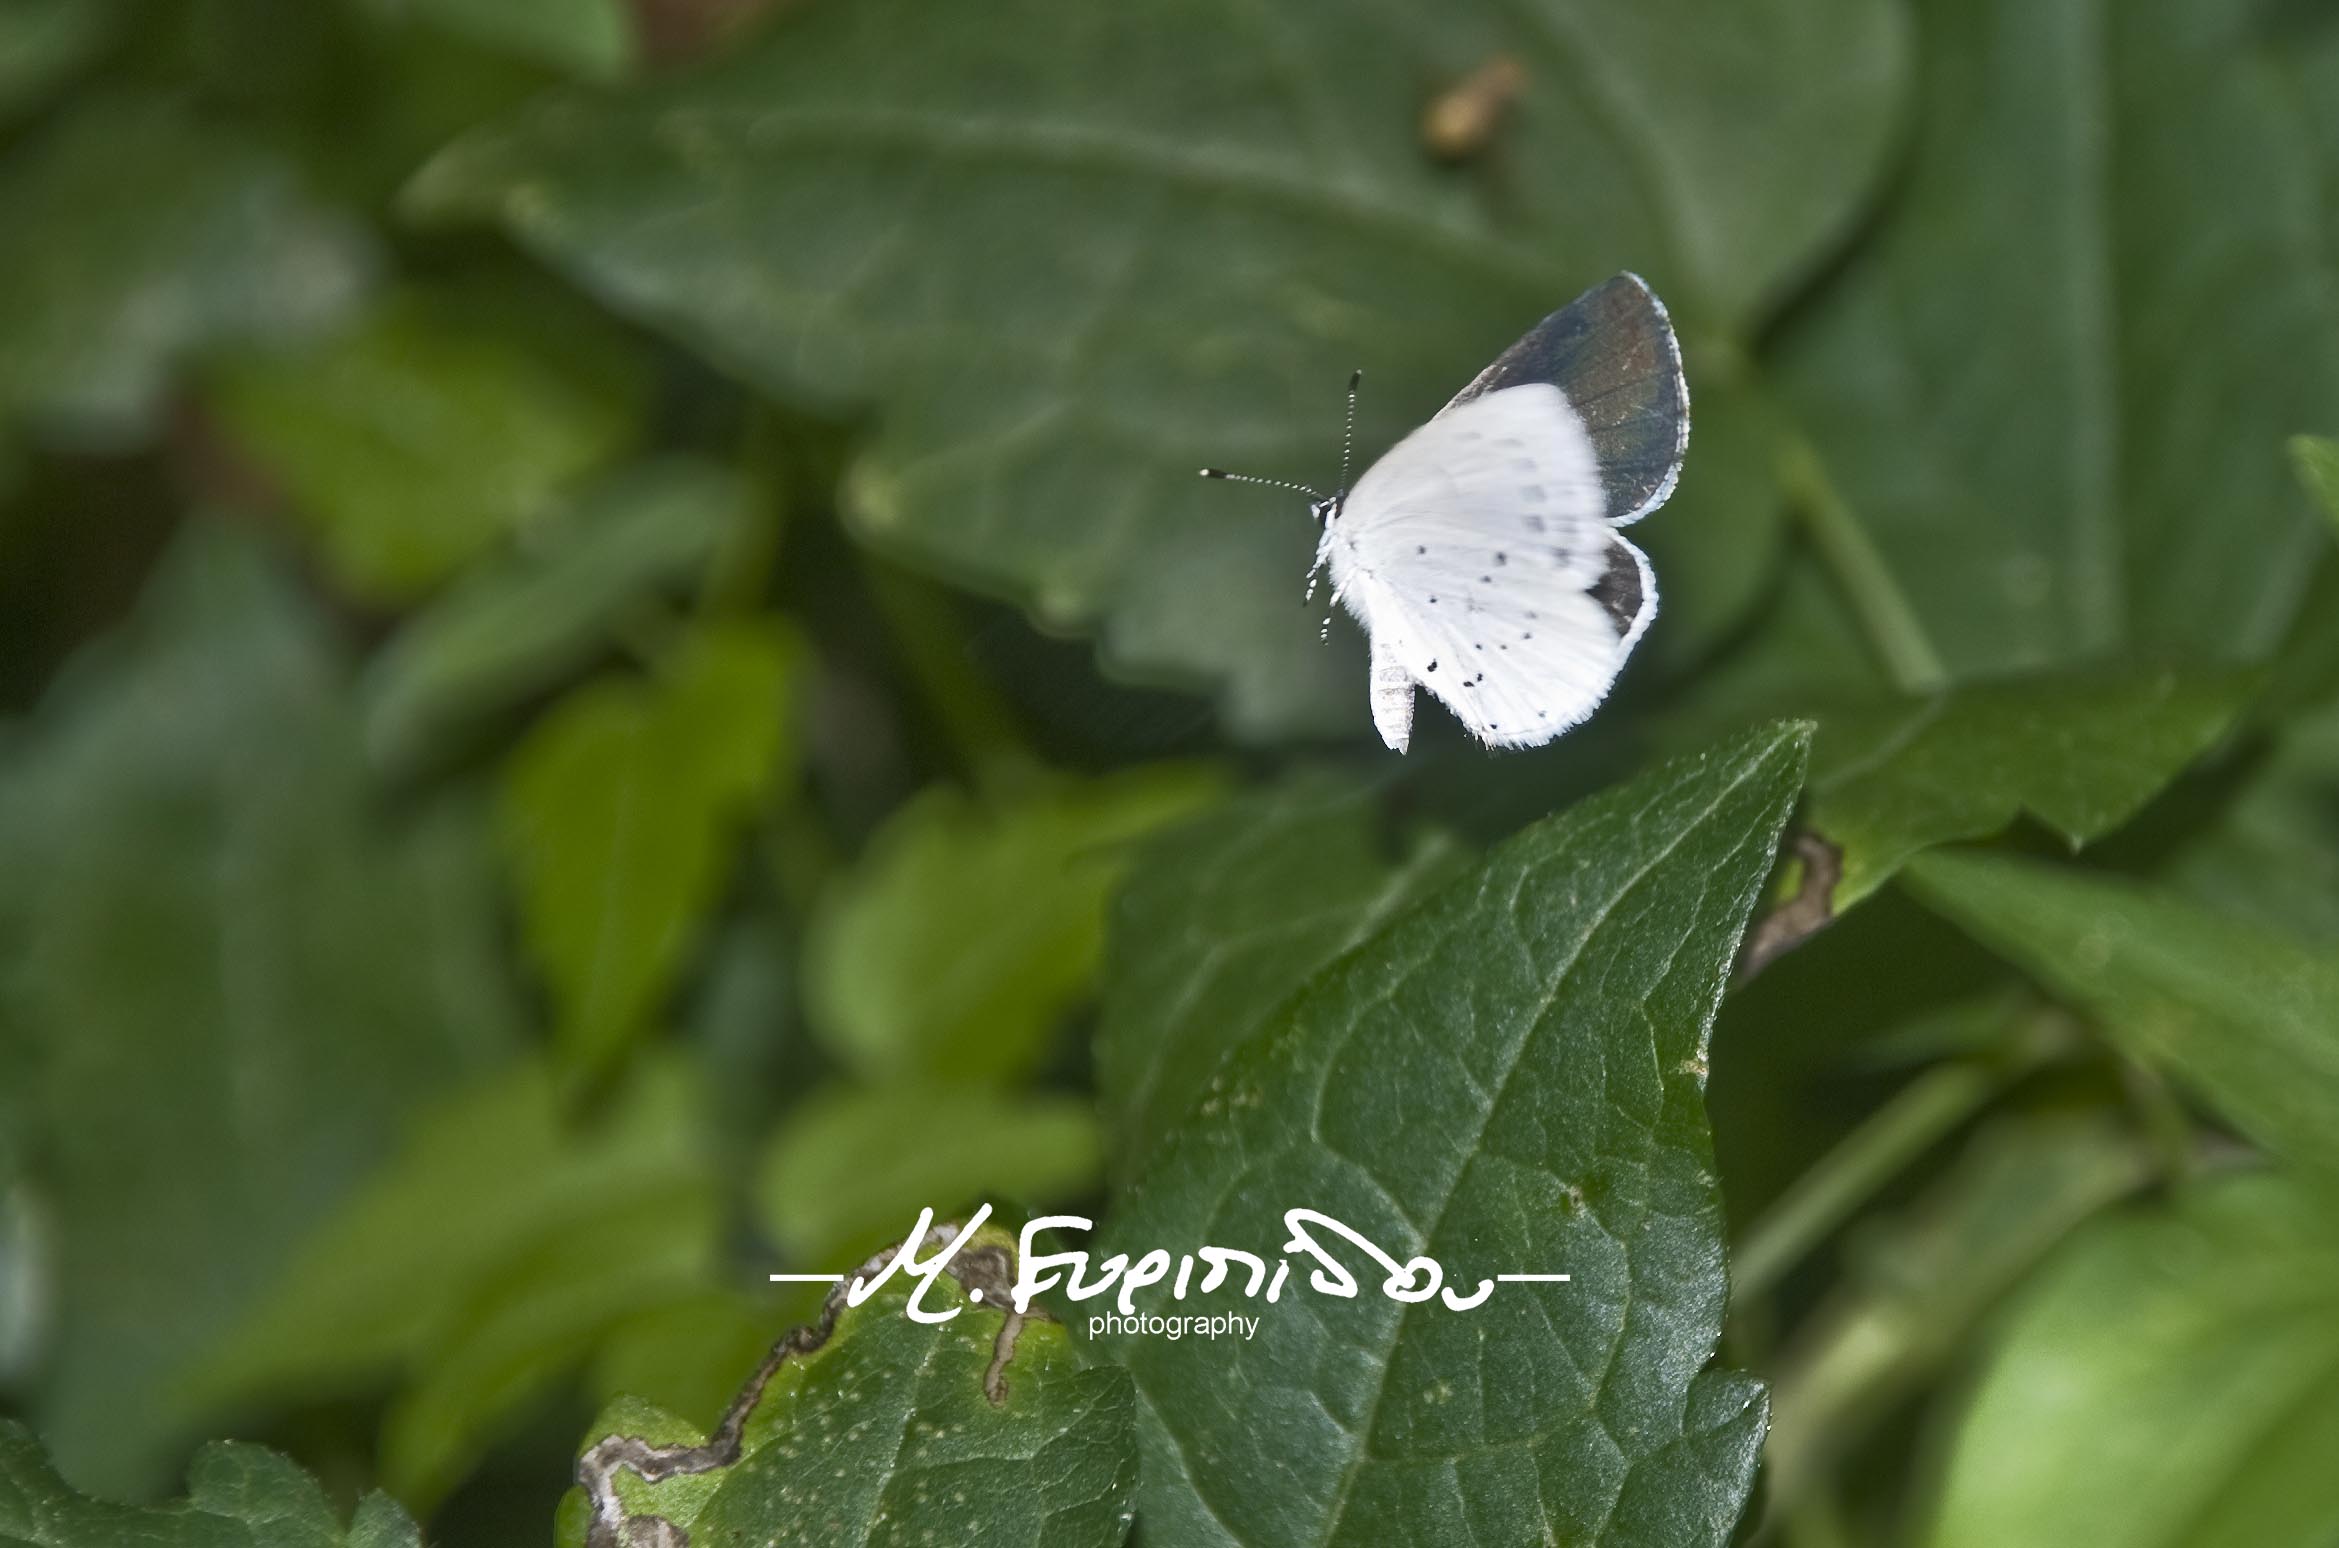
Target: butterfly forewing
[(1613, 353)]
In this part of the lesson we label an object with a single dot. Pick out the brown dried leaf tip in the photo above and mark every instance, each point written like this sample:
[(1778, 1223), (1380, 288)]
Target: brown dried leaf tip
[(1802, 916)]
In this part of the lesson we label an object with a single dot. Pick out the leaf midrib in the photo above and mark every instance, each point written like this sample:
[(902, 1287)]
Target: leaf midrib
[(1514, 1056)]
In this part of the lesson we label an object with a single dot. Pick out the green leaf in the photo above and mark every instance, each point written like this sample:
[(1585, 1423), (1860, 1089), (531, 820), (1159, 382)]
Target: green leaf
[(970, 927), (2272, 855), (879, 1430), (513, 628), (239, 1497), (1509, 1078), (228, 980), (2317, 462), (1132, 257), (43, 42), (2049, 392), (2172, 1383), (2081, 753), (483, 1263), (414, 441), (618, 815), (2304, 671), (1221, 921), (2246, 1018), (848, 1170), (136, 237), (592, 39)]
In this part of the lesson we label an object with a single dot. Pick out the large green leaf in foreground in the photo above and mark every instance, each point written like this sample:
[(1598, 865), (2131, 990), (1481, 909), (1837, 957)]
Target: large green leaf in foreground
[(238, 1497), (1074, 250), (878, 1430), (2172, 1382), (1510, 1079), (1223, 918)]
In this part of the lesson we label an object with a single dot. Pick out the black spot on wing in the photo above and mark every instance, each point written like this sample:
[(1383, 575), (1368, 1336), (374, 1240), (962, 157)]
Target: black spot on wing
[(1612, 351), (1618, 590)]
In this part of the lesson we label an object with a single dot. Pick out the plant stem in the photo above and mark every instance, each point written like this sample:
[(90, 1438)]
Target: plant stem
[(738, 573), (921, 620), (1924, 1110), (1884, 610)]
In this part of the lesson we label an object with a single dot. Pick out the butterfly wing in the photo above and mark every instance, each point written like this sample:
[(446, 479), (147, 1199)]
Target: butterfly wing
[(1613, 353), (1479, 558)]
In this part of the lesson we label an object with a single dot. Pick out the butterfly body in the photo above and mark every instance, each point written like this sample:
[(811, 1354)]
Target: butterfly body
[(1483, 555)]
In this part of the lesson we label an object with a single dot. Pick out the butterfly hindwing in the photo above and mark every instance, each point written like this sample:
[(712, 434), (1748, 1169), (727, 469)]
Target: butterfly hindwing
[(1613, 353), (1518, 670)]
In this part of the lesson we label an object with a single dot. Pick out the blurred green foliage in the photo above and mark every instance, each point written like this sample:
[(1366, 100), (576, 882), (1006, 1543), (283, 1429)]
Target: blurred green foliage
[(612, 677)]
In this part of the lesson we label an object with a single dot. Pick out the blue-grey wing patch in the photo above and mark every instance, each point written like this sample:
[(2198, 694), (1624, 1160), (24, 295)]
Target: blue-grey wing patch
[(1613, 353)]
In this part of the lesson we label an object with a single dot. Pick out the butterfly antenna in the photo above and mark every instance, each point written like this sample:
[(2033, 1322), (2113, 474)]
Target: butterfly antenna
[(1348, 440), (1270, 483)]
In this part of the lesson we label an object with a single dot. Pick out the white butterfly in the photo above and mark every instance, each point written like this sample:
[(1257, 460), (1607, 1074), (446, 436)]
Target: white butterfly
[(1482, 554)]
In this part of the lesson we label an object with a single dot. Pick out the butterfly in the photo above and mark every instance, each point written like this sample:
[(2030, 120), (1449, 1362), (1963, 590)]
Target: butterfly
[(1483, 555)]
